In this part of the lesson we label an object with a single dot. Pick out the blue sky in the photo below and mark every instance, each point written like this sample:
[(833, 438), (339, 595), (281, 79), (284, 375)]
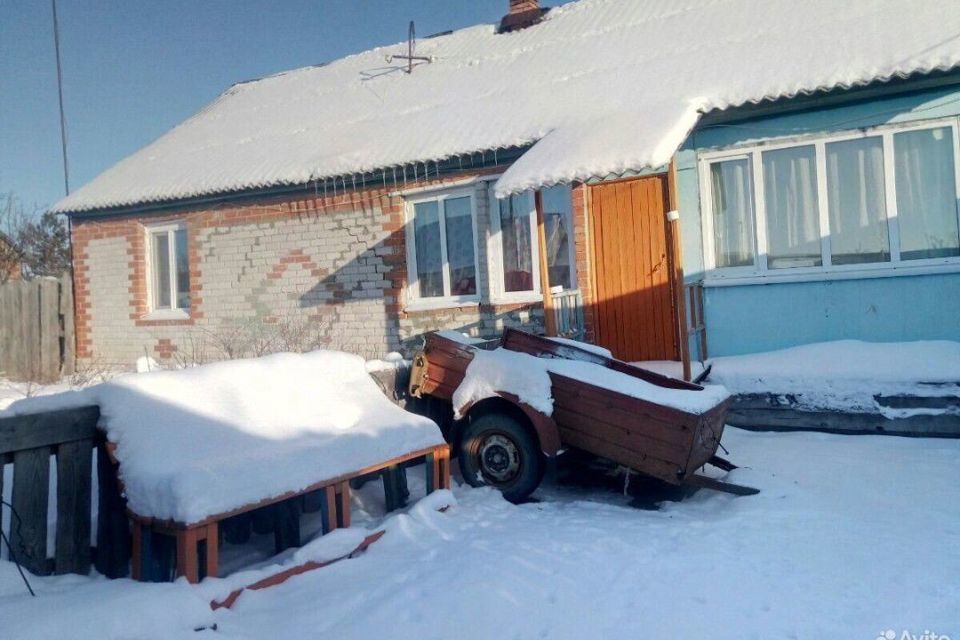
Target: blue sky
[(135, 68)]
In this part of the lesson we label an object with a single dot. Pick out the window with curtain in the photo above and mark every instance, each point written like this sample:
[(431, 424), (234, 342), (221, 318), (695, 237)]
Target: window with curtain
[(791, 201), (458, 214), (732, 188), (426, 224), (516, 242), (558, 229), (443, 251), (169, 267), (856, 200), (926, 194), (876, 198)]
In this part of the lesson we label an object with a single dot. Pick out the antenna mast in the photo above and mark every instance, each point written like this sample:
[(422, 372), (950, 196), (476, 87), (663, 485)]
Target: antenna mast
[(63, 122)]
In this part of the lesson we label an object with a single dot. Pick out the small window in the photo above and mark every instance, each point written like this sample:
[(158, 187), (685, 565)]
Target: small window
[(443, 262), (793, 216), (169, 268), (517, 219), (558, 229), (732, 188), (926, 194), (856, 201)]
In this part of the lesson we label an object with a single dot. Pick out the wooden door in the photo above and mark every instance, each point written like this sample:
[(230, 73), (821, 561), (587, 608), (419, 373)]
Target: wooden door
[(634, 313)]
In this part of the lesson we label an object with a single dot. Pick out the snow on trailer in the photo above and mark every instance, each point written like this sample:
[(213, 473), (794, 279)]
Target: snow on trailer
[(531, 396)]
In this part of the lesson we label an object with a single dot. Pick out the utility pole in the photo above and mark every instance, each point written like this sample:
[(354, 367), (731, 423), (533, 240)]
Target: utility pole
[(63, 122)]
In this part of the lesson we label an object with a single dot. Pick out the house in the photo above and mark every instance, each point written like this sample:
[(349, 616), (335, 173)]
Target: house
[(670, 178)]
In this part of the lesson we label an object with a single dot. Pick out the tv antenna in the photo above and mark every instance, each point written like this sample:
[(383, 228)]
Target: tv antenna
[(410, 56)]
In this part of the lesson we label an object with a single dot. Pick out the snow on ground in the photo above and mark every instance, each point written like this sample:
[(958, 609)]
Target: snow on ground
[(850, 536), (670, 368), (846, 374), (205, 440), (528, 378)]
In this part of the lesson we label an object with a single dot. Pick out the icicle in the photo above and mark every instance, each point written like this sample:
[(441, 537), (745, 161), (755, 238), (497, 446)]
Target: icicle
[(415, 172), (495, 157)]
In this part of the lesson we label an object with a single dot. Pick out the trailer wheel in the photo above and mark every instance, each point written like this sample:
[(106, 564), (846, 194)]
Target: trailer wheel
[(497, 450)]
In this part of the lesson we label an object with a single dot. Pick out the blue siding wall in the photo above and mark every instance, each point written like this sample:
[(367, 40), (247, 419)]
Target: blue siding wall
[(774, 316), (760, 317)]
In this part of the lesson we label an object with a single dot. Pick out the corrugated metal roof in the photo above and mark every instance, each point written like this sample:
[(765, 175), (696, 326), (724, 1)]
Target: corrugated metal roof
[(600, 86)]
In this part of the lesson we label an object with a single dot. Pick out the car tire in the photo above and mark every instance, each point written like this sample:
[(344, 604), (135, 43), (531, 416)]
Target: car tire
[(498, 450)]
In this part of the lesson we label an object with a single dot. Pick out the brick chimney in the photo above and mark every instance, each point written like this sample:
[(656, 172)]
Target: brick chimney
[(523, 13)]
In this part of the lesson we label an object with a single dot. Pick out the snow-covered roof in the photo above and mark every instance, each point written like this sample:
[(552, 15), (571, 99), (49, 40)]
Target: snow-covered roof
[(598, 87)]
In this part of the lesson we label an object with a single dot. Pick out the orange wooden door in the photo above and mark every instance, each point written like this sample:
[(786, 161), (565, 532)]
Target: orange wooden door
[(633, 312)]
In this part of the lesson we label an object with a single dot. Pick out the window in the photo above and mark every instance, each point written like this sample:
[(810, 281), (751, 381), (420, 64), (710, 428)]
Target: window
[(169, 268), (856, 201), (885, 198), (558, 229), (926, 193), (517, 231), (732, 188), (793, 218), (442, 250)]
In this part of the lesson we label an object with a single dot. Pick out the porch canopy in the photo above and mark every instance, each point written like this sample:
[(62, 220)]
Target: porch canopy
[(598, 87)]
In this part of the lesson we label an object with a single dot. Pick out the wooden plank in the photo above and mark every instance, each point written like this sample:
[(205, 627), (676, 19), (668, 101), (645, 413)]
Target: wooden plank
[(632, 459), (28, 530), (48, 329), (30, 330), (634, 438), (329, 509), (212, 551), (113, 536), (48, 429), (188, 556), (74, 469), (68, 338)]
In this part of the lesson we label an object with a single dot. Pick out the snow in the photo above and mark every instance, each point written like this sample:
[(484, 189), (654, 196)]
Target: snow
[(586, 346), (459, 337), (527, 377), (670, 368), (577, 86), (846, 375), (849, 536), (201, 441)]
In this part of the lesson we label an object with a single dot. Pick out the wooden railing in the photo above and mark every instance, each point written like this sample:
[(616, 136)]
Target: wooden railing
[(65, 440), (696, 323), (568, 311)]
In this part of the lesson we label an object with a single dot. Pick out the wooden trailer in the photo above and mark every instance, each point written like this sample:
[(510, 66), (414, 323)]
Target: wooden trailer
[(503, 442)]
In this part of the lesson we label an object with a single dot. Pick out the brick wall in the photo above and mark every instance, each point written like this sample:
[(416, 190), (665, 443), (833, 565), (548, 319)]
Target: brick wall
[(287, 273)]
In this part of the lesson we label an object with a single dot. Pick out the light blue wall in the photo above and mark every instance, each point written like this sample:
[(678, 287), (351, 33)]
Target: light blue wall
[(760, 317)]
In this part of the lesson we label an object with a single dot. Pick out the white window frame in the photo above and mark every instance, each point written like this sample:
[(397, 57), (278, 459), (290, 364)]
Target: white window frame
[(759, 272), (169, 229), (414, 301), (498, 292)]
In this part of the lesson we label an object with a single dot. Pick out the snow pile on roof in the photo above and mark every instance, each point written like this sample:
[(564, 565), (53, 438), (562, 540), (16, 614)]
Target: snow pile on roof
[(847, 375), (198, 442), (528, 378), (605, 86)]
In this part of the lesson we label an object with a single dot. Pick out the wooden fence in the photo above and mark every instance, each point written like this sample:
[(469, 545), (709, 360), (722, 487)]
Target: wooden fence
[(70, 439), (36, 329)]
